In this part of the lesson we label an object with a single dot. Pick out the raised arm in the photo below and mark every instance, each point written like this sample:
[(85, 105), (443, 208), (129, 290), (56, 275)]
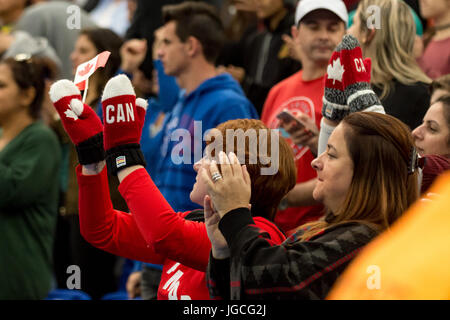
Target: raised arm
[(347, 88), (165, 231), (168, 233), (104, 227)]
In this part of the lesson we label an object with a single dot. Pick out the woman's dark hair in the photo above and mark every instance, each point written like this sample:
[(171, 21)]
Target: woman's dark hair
[(445, 100), (32, 73), (105, 40), (380, 147)]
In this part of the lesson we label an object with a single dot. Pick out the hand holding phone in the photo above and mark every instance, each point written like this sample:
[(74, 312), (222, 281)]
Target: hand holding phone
[(302, 133), (290, 123)]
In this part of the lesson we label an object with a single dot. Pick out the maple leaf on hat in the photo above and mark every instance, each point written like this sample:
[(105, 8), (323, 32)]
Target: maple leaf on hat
[(335, 70)]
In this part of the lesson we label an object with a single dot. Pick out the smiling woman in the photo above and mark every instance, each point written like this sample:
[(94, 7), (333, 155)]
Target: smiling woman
[(381, 187), (334, 171), (359, 172), (366, 181)]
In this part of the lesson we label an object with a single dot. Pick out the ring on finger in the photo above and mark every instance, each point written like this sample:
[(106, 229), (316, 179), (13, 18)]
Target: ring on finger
[(216, 176)]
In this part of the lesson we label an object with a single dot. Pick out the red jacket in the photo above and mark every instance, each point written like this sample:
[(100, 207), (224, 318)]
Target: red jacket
[(152, 233)]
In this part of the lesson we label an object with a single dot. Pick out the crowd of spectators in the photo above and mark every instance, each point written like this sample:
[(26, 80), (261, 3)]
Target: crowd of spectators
[(349, 101)]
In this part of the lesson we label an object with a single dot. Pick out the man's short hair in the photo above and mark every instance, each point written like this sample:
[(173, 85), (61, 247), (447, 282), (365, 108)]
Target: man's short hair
[(198, 20)]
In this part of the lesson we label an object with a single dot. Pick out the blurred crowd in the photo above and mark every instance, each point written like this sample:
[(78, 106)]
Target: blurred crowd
[(355, 95)]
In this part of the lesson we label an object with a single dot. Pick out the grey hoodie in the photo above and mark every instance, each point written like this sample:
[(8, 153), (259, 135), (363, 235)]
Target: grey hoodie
[(51, 20), (38, 46)]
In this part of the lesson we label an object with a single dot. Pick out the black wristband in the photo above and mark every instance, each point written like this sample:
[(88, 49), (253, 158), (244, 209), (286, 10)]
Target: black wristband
[(91, 150), (124, 156)]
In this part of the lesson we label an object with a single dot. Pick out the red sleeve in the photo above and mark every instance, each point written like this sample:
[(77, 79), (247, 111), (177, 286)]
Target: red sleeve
[(169, 233), (108, 229)]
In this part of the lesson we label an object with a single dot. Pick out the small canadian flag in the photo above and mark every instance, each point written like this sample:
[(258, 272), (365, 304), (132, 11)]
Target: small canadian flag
[(86, 69)]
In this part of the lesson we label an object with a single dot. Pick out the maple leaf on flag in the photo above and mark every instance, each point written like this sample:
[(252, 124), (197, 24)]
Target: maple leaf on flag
[(86, 70), (336, 70), (70, 114)]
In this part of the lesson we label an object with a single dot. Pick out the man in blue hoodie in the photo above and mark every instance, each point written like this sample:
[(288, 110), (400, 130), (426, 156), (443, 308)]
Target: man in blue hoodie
[(192, 38)]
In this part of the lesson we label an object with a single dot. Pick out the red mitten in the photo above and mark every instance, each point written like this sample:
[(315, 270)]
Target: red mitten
[(334, 102), (124, 117), (356, 78), (79, 120)]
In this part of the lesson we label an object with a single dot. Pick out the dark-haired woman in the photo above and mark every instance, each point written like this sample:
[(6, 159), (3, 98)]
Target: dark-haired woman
[(29, 182), (432, 140), (366, 180), (91, 42)]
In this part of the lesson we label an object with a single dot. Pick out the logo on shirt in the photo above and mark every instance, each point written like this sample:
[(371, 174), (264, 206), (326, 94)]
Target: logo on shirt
[(174, 282)]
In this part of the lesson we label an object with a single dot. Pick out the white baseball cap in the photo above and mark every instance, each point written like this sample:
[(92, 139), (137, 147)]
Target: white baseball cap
[(306, 6)]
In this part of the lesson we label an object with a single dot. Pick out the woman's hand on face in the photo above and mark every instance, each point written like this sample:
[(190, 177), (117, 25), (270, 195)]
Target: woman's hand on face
[(233, 190), (219, 245)]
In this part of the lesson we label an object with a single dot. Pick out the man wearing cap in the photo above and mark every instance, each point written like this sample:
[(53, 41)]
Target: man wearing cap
[(319, 27)]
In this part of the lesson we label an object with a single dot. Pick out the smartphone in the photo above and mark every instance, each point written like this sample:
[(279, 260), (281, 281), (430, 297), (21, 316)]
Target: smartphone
[(287, 117)]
